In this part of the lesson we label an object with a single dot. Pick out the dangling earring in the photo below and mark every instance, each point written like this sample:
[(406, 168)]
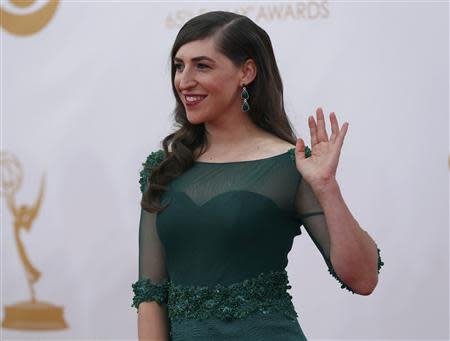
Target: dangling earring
[(245, 96)]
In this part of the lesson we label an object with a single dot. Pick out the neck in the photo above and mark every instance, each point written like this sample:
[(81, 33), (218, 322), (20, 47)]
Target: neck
[(232, 131)]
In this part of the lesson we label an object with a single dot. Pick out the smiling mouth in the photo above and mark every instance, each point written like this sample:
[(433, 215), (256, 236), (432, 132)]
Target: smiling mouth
[(194, 99)]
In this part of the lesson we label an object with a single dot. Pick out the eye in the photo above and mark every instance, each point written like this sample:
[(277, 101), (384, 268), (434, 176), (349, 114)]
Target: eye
[(202, 66), (177, 66)]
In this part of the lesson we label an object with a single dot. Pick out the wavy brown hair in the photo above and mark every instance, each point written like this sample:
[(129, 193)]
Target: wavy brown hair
[(239, 38)]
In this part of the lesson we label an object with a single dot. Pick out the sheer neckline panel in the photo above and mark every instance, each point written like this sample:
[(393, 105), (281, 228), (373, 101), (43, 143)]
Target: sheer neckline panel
[(247, 161)]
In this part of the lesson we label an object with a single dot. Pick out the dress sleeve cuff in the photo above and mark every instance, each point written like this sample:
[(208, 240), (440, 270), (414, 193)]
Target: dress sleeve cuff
[(145, 290), (345, 286)]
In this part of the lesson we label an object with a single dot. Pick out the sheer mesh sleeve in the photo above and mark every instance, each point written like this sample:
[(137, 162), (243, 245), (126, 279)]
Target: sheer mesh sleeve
[(153, 278), (311, 214)]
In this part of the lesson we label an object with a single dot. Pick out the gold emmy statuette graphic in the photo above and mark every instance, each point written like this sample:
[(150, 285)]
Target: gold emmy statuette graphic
[(29, 23), (32, 314)]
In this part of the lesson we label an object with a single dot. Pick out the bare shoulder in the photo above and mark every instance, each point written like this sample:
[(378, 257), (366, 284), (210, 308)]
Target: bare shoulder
[(277, 146)]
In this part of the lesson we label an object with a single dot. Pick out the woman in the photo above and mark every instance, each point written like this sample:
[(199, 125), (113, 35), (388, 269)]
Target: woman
[(220, 209)]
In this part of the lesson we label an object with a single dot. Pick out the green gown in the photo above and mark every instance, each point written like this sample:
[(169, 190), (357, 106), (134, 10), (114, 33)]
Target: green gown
[(216, 256)]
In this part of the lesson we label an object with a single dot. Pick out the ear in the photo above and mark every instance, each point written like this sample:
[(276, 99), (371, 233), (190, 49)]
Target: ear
[(248, 72)]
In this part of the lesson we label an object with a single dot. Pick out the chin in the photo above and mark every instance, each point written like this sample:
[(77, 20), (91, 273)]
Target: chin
[(194, 119)]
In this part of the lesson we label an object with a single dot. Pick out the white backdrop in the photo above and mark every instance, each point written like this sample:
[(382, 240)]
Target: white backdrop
[(86, 98)]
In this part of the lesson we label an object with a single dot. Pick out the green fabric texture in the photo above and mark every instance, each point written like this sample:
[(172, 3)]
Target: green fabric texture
[(216, 256)]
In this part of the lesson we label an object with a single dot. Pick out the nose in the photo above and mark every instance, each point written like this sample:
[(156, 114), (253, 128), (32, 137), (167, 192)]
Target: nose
[(186, 80)]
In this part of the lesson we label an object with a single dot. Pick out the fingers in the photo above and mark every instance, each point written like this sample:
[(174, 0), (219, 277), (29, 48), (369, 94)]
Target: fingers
[(313, 130), (334, 127), (318, 130), (321, 129), (342, 134)]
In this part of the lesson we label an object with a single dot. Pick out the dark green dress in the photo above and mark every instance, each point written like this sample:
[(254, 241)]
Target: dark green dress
[(217, 254)]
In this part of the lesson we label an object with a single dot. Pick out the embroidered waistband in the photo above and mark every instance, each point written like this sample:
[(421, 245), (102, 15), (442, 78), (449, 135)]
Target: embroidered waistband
[(265, 293)]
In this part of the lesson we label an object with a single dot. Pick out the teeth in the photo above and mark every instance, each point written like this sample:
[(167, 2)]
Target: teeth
[(194, 98)]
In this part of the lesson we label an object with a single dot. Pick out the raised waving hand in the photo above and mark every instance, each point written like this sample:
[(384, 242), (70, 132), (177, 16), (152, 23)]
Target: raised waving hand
[(320, 168)]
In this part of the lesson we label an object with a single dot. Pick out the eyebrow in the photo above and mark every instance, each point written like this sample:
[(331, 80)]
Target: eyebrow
[(196, 59)]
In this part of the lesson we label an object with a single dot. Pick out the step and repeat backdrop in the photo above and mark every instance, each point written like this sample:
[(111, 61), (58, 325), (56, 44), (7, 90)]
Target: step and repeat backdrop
[(86, 96)]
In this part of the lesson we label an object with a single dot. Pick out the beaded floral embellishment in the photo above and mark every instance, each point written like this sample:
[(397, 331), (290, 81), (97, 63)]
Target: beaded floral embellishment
[(153, 160), (292, 153), (265, 293), (145, 290), (345, 286)]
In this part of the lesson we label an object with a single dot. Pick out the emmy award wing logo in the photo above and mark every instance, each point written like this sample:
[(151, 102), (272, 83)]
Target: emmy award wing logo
[(24, 24), (32, 314)]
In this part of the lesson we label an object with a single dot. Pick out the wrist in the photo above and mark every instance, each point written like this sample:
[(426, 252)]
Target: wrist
[(324, 189)]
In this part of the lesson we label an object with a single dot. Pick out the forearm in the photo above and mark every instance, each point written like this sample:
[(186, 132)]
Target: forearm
[(353, 253), (153, 322)]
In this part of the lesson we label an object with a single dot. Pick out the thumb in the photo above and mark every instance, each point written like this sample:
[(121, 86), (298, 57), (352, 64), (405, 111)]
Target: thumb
[(300, 149)]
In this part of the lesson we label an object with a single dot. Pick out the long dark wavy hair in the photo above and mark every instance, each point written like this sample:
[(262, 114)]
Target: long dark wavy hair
[(239, 38)]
